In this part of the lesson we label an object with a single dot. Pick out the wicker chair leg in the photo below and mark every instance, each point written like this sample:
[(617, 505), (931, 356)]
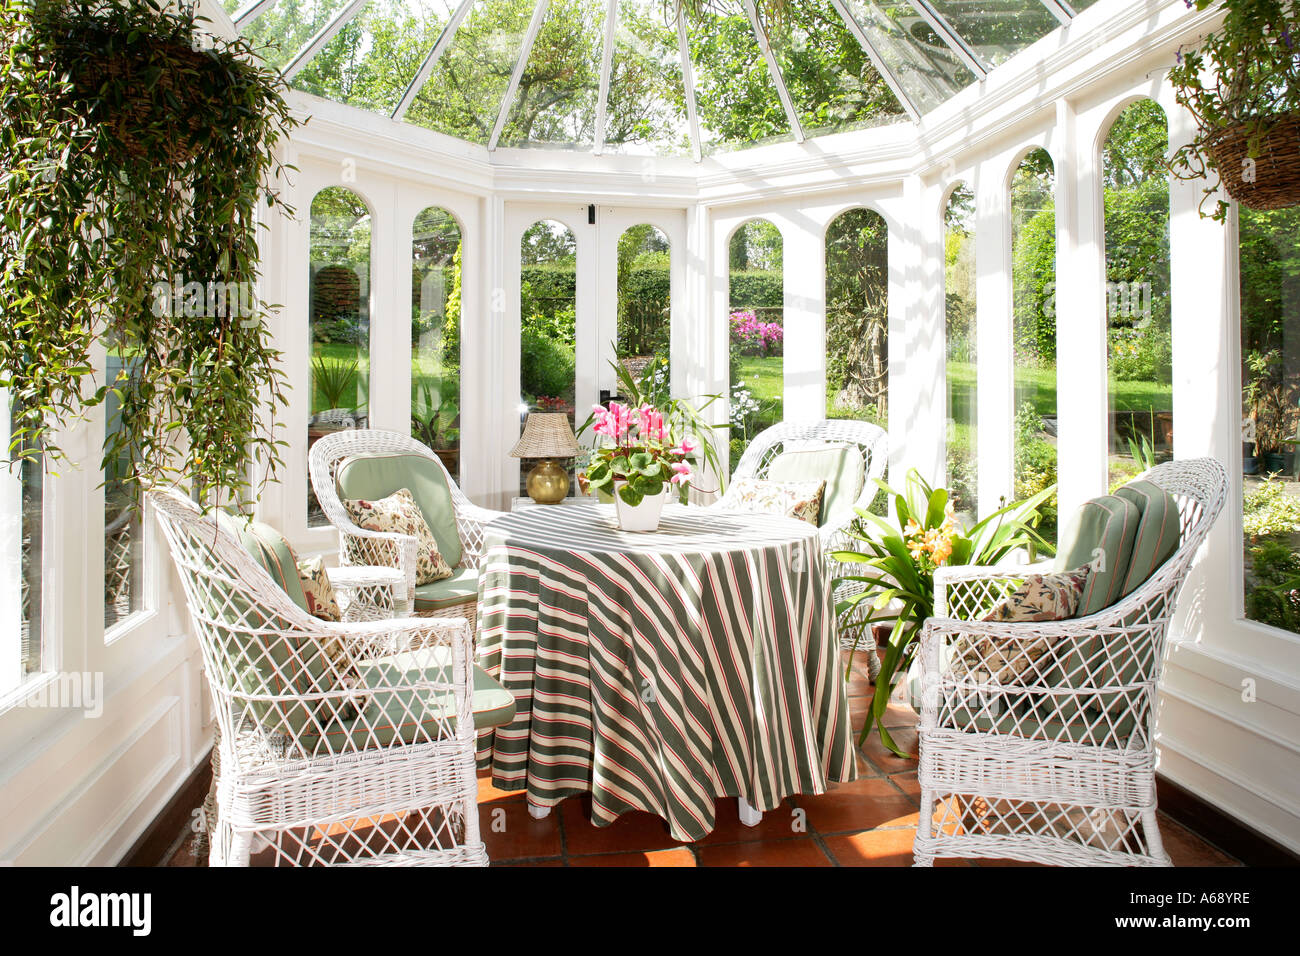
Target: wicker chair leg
[(921, 855), (1151, 830)]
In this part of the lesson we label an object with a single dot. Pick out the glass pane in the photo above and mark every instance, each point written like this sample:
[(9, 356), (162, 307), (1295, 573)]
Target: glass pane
[(233, 6), (924, 65), (756, 306), (998, 29), (735, 96), (857, 317), (830, 78), (555, 104), (645, 308), (1033, 281), (646, 112), (21, 525), (376, 55), (1138, 332), (279, 32), (435, 335), (1269, 249), (339, 310), (463, 94), (548, 310), (123, 531), (959, 336)]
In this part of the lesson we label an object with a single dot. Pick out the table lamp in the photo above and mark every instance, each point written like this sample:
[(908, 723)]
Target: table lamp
[(548, 436)]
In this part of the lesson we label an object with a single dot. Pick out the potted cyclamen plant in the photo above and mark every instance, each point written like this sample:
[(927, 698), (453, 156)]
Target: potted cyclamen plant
[(638, 464)]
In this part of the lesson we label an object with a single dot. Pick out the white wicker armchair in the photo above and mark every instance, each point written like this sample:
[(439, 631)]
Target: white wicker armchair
[(873, 442), (1037, 740), (386, 549), (338, 743)]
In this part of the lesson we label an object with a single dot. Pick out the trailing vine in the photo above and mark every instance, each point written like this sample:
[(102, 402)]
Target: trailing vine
[(134, 157)]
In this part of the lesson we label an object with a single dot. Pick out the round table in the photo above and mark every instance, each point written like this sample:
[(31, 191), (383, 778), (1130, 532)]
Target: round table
[(662, 670)]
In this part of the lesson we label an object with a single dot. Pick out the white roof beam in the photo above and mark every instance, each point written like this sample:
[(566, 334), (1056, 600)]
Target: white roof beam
[(323, 36), (877, 60), (606, 64), (430, 61), (965, 52), (688, 81), (534, 27), (251, 11), (773, 68), (1060, 9)]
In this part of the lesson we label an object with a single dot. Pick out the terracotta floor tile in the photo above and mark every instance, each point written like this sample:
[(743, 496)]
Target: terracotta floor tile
[(776, 824), (486, 790), (882, 757), (1185, 848), (908, 783), (555, 861), (861, 805), (633, 831), (877, 848), (802, 852), (899, 714), (511, 834), (678, 856)]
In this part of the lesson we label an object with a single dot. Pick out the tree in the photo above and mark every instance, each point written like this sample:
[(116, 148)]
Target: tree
[(857, 311)]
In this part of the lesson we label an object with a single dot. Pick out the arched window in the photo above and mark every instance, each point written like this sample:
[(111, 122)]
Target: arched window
[(1033, 283), (339, 319), (547, 313), (435, 334), (959, 342), (1138, 334), (645, 308), (857, 317), (756, 309), (123, 529)]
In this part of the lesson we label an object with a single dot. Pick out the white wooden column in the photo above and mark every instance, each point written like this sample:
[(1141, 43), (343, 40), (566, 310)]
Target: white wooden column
[(995, 411), (804, 341), (1082, 413), (390, 310)]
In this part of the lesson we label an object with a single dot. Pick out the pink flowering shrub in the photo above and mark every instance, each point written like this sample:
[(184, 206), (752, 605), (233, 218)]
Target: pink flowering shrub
[(754, 336)]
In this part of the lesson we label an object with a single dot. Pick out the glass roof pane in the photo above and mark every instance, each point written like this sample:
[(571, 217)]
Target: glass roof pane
[(646, 112), (830, 78), (998, 29), (281, 30), (555, 104), (375, 56), (923, 64), (232, 6), (735, 96), (463, 94)]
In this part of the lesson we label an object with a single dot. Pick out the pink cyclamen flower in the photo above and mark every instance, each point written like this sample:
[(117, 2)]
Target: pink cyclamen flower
[(652, 423), (687, 446), (681, 473)]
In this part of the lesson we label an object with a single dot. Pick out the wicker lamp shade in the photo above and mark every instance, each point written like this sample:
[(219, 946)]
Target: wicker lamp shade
[(546, 435)]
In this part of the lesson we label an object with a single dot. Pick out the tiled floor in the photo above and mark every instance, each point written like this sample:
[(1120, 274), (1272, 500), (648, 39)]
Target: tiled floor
[(870, 822)]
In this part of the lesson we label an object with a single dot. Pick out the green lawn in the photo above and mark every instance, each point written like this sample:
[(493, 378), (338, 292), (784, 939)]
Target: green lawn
[(1040, 386), (424, 372)]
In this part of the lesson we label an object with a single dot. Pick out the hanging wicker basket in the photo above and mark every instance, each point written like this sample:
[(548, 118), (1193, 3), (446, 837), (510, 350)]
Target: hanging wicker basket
[(1270, 179)]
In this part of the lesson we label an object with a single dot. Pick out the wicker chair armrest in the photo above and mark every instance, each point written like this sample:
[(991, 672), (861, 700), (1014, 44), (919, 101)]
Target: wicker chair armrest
[(980, 580), (1062, 665), (384, 549), (470, 520)]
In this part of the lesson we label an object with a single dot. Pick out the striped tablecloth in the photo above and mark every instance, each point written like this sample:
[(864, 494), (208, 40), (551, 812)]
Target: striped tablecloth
[(662, 670)]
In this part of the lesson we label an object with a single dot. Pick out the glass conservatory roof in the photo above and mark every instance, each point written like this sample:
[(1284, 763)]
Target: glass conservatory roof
[(642, 76)]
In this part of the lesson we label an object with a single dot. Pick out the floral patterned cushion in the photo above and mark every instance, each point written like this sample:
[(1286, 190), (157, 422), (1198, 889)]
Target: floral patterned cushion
[(792, 499), (400, 514), (317, 590), (1042, 597)]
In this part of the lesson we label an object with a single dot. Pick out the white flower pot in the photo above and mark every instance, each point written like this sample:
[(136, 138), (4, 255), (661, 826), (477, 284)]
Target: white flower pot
[(642, 517)]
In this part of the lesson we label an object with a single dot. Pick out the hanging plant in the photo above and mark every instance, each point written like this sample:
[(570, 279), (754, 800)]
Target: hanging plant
[(135, 156), (1242, 85)]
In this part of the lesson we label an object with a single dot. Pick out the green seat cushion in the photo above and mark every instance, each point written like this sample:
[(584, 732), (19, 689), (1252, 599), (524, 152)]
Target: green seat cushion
[(461, 587), (271, 550), (377, 476), (1157, 531), (258, 664), (1100, 535), (841, 466), (391, 714)]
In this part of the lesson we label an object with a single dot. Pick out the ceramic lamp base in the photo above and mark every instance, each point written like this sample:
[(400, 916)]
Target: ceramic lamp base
[(548, 483)]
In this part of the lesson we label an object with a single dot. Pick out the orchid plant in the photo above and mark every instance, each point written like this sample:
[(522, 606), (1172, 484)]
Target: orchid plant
[(639, 458)]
